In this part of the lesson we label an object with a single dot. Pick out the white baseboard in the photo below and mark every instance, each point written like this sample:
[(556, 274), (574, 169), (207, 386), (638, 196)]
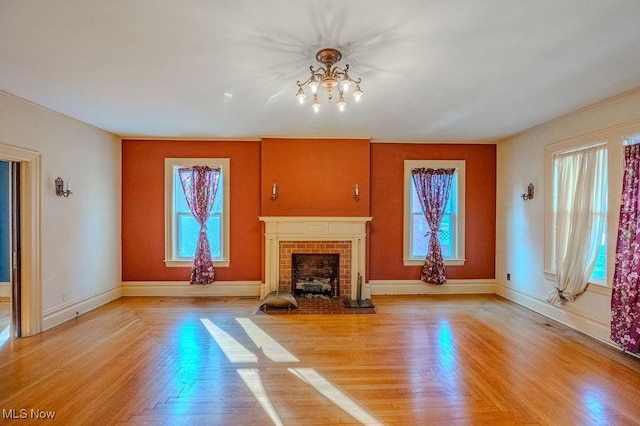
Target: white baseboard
[(475, 286), (63, 313), (5, 289), (183, 288), (566, 316)]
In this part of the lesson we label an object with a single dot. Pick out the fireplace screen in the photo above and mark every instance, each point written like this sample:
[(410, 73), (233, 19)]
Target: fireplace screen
[(315, 274)]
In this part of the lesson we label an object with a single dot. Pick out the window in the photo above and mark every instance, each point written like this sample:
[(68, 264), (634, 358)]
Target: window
[(631, 140), (416, 243), (599, 274), (181, 228)]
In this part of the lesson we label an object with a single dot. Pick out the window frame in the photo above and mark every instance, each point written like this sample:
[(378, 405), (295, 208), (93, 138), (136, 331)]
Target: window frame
[(631, 139), (170, 235), (460, 166), (550, 175)]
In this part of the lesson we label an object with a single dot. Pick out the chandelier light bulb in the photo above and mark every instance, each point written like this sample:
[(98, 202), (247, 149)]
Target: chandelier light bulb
[(315, 104), (341, 103), (314, 85), (345, 84), (357, 94), (301, 95)]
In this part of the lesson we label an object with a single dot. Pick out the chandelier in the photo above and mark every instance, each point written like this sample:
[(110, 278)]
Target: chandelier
[(329, 77)]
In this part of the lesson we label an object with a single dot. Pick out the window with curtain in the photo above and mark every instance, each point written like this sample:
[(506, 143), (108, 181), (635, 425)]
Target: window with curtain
[(569, 160), (182, 228), (419, 235), (625, 294), (579, 213), (416, 229)]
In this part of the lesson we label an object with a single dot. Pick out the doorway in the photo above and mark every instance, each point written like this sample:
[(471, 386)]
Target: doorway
[(25, 260), (9, 240)]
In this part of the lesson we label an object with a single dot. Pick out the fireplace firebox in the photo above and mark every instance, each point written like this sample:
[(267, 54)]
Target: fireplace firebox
[(315, 274)]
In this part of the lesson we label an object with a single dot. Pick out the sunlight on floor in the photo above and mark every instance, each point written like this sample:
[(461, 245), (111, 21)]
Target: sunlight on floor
[(237, 353), (230, 346), (270, 347), (594, 406), (251, 378), (4, 335), (333, 394), (446, 347)]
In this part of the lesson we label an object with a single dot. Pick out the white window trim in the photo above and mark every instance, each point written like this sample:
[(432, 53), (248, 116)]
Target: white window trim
[(550, 152), (460, 166), (169, 232)]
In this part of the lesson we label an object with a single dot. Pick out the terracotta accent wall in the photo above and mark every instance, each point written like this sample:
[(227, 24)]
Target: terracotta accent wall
[(315, 177), (386, 229), (143, 208)]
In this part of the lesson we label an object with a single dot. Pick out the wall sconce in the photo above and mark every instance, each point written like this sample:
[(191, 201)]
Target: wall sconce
[(60, 188), (528, 195), (356, 193), (274, 191)]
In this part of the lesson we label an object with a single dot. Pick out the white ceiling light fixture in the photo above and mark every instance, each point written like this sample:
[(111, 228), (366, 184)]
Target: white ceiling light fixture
[(329, 77)]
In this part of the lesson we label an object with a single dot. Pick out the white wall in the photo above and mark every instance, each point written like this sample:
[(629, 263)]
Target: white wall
[(5, 289), (80, 235), (520, 224)]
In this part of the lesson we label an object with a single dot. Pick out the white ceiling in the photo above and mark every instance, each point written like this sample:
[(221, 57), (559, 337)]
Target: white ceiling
[(431, 70)]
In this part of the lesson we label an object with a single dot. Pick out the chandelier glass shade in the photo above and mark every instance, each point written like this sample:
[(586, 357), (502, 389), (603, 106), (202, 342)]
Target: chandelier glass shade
[(330, 77)]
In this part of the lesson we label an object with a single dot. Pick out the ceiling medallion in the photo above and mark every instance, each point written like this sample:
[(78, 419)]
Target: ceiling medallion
[(329, 77)]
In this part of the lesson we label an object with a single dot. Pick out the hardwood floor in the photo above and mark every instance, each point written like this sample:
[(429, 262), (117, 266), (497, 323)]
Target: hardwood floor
[(453, 360)]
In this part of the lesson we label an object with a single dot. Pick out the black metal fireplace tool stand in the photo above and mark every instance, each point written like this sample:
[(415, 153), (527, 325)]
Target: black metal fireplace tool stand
[(360, 302)]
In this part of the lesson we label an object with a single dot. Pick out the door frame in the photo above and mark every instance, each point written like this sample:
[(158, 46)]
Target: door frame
[(30, 214)]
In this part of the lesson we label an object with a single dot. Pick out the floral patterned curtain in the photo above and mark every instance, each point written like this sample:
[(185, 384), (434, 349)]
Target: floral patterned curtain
[(625, 299), (433, 187), (200, 184)]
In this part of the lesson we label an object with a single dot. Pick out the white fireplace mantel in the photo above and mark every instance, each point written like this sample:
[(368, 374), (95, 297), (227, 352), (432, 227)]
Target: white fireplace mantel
[(314, 228)]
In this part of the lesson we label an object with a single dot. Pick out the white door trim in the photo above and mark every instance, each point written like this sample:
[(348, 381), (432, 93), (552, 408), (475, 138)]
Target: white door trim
[(31, 277)]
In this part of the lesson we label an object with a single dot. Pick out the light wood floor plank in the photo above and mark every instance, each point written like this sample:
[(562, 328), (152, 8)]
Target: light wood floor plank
[(453, 360)]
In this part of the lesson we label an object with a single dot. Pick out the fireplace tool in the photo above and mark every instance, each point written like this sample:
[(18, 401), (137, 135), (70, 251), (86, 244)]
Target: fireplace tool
[(359, 302)]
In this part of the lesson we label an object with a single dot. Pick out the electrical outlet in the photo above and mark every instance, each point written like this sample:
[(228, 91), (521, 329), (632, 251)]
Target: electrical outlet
[(64, 296), (508, 277)]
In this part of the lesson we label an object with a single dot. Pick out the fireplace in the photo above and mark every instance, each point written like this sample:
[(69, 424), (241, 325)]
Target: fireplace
[(315, 274), (342, 236)]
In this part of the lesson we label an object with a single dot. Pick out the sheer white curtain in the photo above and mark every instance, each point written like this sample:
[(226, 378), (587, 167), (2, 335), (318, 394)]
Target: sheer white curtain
[(580, 188)]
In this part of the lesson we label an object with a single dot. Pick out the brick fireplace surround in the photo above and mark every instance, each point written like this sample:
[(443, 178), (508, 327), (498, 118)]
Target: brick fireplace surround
[(345, 236), (343, 248)]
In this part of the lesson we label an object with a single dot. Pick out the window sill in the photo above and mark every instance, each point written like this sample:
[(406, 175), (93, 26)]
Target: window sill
[(420, 262), (597, 286), (189, 263), (601, 283)]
